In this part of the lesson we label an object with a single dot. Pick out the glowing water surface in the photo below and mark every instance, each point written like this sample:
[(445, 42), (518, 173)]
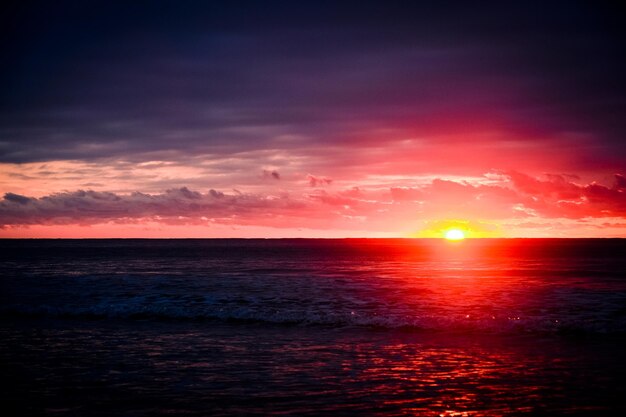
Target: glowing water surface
[(310, 327)]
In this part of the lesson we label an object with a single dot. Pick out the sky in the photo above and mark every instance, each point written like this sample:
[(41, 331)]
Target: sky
[(312, 119)]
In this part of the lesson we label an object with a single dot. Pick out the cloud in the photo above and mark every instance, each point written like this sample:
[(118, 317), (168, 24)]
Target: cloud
[(406, 194), (271, 174), (370, 76), (555, 186), (316, 181), (175, 205), (556, 196), (620, 182), (515, 196), (16, 198)]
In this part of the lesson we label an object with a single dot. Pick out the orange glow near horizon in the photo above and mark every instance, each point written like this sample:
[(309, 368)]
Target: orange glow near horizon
[(455, 230), (149, 228)]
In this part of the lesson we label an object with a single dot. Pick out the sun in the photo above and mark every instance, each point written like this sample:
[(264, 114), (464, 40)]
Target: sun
[(455, 234)]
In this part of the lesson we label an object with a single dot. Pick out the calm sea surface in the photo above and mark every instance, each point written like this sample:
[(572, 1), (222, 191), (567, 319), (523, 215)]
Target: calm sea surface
[(302, 327)]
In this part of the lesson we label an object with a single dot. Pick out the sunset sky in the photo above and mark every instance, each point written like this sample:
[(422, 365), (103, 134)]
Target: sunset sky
[(312, 119)]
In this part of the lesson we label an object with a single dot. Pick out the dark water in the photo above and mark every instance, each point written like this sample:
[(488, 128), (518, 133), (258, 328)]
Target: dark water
[(310, 327)]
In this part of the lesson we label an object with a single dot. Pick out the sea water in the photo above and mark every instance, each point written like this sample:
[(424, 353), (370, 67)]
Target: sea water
[(313, 327)]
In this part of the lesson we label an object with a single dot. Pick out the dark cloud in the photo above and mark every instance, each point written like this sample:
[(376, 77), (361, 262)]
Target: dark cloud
[(271, 174), (620, 182), (172, 206), (315, 181), (138, 79), (16, 198)]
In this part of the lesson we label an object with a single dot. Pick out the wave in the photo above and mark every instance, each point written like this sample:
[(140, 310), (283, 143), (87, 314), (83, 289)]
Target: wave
[(430, 323)]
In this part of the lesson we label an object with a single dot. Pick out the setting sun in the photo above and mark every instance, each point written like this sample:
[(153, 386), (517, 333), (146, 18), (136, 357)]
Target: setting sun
[(455, 234)]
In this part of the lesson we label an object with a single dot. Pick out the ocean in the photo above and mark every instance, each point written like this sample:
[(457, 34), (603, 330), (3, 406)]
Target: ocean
[(307, 327)]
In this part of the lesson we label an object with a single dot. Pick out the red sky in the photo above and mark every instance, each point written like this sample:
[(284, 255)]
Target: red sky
[(312, 121)]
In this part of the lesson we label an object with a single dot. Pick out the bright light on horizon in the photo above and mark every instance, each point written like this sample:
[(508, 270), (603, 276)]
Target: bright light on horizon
[(455, 234)]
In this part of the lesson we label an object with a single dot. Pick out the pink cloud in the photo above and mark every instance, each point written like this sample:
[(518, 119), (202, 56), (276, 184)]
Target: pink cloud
[(400, 194), (557, 196), (515, 197)]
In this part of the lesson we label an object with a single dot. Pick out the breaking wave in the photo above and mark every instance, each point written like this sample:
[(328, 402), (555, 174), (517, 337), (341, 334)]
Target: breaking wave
[(516, 286), (199, 311)]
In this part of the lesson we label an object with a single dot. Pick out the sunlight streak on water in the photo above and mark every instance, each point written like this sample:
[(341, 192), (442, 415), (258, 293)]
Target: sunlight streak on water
[(392, 327), (255, 370)]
